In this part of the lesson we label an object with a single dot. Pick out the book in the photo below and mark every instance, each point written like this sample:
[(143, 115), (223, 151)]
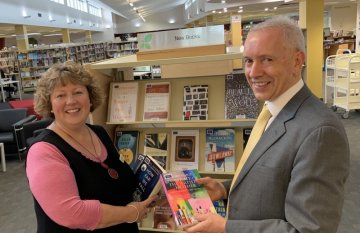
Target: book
[(184, 149), (195, 102), (240, 101), (126, 143), (185, 196), (246, 136), (160, 216), (147, 173), (156, 145), (123, 102), (220, 150), (157, 101), (220, 208)]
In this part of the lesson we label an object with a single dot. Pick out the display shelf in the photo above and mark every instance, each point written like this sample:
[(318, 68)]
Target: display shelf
[(121, 48), (187, 124), (132, 61), (148, 230)]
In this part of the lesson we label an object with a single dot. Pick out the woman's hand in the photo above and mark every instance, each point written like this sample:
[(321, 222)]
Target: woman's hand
[(139, 210)]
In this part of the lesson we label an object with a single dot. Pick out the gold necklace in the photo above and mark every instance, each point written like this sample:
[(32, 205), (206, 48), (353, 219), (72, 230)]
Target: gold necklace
[(112, 172)]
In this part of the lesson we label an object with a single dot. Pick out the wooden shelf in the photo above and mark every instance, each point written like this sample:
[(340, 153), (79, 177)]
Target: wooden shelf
[(187, 124), (132, 61)]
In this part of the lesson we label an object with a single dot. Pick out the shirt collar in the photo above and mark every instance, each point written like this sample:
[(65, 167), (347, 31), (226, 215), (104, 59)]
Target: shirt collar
[(279, 103)]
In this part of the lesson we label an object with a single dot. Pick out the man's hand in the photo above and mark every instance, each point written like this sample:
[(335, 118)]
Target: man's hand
[(208, 223), (215, 189)]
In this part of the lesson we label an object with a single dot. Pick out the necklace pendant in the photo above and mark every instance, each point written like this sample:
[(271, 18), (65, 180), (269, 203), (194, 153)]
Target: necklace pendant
[(113, 173)]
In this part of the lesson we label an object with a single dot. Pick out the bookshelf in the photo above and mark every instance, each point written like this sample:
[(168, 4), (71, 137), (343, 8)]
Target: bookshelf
[(121, 48)]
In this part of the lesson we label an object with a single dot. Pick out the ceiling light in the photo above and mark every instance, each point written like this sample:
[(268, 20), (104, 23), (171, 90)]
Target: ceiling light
[(55, 34), (219, 12), (266, 9), (225, 9), (137, 25), (240, 11), (240, 7), (223, 2), (275, 7), (213, 12), (135, 8), (27, 16), (172, 21)]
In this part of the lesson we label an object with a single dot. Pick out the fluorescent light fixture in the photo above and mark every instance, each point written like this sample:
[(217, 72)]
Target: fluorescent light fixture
[(223, 1), (240, 11), (275, 7), (33, 34), (142, 17), (137, 25), (25, 15), (54, 34), (266, 9), (172, 21), (131, 4), (134, 8), (240, 7), (213, 12)]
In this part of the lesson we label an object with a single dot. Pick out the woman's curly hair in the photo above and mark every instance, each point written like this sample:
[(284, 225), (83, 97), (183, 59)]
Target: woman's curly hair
[(61, 74)]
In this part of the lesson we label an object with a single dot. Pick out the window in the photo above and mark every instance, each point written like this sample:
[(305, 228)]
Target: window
[(58, 1), (80, 5), (94, 10)]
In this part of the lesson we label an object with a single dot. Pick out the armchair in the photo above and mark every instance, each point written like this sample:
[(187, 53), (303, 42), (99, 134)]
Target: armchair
[(29, 130), (11, 121)]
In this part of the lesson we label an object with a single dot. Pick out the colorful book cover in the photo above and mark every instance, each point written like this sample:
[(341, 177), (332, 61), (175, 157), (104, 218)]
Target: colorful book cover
[(220, 150), (156, 145), (147, 173), (157, 101), (195, 102), (184, 150), (126, 143), (123, 102), (240, 101), (185, 196)]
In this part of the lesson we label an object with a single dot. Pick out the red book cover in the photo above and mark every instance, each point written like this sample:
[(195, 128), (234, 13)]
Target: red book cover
[(185, 196)]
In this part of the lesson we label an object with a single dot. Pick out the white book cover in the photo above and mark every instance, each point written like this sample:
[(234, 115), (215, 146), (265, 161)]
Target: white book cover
[(123, 102), (184, 150), (157, 101)]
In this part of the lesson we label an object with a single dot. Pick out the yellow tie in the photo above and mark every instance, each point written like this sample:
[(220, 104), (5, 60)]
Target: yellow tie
[(255, 135)]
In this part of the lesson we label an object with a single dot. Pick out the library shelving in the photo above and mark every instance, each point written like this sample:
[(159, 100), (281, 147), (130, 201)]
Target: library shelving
[(121, 48), (216, 97)]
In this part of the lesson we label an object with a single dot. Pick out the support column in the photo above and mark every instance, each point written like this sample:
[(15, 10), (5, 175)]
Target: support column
[(65, 35), (88, 37), (357, 45), (236, 37), (22, 40), (312, 11)]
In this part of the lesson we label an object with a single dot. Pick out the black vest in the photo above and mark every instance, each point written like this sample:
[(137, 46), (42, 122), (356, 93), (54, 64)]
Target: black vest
[(93, 182)]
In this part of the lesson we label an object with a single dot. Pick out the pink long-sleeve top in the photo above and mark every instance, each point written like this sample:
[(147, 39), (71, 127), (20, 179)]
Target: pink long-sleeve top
[(53, 184)]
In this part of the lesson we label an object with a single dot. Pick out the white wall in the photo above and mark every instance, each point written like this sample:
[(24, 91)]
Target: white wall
[(343, 17), (154, 22), (12, 12)]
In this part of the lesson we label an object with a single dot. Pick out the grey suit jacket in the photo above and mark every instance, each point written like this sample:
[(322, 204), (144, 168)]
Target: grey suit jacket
[(294, 178)]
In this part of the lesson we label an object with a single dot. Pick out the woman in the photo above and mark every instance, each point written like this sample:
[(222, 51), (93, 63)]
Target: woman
[(74, 171)]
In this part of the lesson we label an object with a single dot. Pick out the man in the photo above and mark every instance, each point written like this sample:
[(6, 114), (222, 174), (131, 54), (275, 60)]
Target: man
[(293, 180)]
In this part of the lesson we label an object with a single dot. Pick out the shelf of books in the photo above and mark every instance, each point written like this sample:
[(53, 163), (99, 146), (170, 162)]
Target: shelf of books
[(193, 121), (121, 48)]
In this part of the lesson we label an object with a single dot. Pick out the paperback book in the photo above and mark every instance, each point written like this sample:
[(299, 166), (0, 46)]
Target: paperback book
[(147, 173), (220, 208), (157, 101), (185, 196), (160, 216), (156, 145), (184, 150), (126, 143), (195, 102), (220, 150), (240, 101), (123, 102)]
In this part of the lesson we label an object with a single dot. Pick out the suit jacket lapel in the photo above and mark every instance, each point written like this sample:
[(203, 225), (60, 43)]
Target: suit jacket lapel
[(276, 130)]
